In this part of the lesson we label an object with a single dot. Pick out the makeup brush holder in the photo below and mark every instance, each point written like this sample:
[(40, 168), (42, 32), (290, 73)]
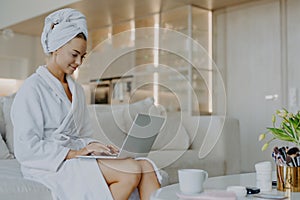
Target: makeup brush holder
[(288, 178)]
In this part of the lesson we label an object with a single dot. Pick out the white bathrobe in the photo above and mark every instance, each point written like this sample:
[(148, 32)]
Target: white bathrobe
[(46, 126)]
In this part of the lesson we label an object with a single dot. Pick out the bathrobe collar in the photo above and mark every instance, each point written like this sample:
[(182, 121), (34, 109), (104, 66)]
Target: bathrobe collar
[(56, 86)]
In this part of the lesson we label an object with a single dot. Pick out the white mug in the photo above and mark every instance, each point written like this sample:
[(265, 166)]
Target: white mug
[(191, 180), (264, 176)]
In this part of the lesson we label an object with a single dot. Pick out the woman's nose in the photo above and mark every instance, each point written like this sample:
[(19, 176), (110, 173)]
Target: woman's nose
[(78, 60)]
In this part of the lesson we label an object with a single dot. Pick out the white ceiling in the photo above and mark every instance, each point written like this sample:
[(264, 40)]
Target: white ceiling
[(102, 13)]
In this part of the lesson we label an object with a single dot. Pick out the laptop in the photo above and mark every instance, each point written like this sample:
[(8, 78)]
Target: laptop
[(139, 139)]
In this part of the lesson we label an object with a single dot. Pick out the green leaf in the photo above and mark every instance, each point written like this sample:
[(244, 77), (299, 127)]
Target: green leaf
[(287, 127), (281, 135), (298, 115), (290, 130), (293, 122), (294, 131)]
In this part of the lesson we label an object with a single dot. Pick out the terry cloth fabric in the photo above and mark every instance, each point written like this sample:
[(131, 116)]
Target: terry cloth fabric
[(46, 126), (62, 26)]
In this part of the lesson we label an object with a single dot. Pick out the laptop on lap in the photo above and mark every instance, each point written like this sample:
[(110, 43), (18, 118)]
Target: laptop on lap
[(139, 139)]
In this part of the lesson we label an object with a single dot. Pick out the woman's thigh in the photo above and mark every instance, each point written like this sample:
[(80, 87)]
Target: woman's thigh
[(146, 166), (116, 170)]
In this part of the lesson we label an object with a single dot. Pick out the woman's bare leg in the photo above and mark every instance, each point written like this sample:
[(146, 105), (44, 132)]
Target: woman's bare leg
[(122, 176), (149, 182)]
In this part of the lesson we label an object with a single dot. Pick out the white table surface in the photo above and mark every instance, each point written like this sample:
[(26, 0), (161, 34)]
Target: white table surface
[(221, 182)]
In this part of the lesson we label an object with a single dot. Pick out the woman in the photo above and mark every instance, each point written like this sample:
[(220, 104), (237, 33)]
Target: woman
[(52, 126)]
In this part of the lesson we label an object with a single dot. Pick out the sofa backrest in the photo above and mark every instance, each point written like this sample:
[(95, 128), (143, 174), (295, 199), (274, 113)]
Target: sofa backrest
[(6, 130), (2, 121), (112, 123), (206, 131)]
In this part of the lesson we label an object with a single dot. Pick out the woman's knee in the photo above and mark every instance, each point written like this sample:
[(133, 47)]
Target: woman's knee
[(126, 171), (146, 166)]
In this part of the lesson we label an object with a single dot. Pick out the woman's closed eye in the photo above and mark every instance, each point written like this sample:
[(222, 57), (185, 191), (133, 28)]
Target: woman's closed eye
[(75, 55)]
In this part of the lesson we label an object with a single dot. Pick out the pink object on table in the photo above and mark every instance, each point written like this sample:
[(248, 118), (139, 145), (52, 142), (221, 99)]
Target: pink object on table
[(209, 195)]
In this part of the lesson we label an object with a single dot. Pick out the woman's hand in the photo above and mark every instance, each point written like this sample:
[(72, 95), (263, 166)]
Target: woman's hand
[(96, 148), (73, 153)]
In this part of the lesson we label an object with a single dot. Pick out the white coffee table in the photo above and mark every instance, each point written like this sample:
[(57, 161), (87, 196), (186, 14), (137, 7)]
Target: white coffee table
[(220, 182)]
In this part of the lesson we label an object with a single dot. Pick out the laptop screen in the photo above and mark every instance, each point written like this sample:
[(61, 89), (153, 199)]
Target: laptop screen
[(143, 133)]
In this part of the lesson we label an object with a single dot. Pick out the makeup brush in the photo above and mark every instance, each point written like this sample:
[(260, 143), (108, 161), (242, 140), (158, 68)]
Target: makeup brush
[(293, 151), (280, 161), (298, 159), (275, 150), (282, 152), (275, 154), (290, 161)]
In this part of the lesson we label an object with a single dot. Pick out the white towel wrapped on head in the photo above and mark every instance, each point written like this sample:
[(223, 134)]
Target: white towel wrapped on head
[(61, 27)]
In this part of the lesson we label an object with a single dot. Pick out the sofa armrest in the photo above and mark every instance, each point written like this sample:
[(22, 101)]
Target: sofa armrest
[(223, 159), (222, 142), (171, 161)]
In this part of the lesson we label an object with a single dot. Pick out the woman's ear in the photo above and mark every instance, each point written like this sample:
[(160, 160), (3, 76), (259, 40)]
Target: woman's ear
[(54, 53), (51, 56)]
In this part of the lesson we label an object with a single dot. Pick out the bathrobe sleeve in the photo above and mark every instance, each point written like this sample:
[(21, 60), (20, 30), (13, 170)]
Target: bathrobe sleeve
[(31, 149)]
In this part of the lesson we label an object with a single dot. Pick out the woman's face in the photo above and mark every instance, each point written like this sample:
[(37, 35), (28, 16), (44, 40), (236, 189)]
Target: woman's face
[(70, 56)]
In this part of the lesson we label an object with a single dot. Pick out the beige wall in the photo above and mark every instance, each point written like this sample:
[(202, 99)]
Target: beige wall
[(293, 51), (20, 56), (256, 49)]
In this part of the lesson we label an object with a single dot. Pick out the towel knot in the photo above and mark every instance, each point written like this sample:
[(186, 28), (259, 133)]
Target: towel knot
[(61, 27)]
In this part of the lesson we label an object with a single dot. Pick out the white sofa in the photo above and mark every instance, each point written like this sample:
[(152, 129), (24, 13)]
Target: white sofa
[(177, 146)]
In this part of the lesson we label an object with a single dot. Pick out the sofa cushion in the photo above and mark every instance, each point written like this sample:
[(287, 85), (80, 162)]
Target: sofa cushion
[(2, 122), (129, 112), (14, 186), (112, 122), (172, 160), (4, 152), (9, 137), (173, 135), (105, 126)]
